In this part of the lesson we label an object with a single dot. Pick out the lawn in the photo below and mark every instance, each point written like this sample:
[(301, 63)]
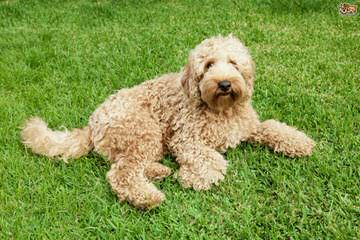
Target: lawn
[(60, 59)]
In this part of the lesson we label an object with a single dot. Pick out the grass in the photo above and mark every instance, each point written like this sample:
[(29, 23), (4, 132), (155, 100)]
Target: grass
[(60, 59)]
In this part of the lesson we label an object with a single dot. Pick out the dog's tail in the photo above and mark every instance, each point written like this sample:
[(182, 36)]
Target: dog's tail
[(61, 144)]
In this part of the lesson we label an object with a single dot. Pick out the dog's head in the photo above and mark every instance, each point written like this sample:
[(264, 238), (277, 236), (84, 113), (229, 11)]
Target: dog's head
[(219, 72)]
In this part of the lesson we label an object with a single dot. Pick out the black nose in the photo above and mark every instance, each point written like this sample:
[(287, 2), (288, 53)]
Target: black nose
[(224, 85)]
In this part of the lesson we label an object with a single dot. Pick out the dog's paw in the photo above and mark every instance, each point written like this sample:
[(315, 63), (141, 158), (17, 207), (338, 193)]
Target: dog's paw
[(148, 200), (157, 171), (202, 176)]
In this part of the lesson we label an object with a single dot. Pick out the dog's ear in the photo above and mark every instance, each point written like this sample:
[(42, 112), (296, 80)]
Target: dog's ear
[(185, 78)]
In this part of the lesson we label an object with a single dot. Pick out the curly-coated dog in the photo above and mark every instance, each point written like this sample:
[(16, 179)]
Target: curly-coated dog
[(194, 115)]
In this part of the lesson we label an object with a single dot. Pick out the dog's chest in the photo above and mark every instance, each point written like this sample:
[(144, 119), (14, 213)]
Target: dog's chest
[(224, 133)]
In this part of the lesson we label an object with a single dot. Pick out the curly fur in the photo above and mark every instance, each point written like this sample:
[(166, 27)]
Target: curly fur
[(184, 114)]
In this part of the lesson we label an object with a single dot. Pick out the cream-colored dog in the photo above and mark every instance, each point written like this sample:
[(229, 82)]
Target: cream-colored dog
[(194, 115)]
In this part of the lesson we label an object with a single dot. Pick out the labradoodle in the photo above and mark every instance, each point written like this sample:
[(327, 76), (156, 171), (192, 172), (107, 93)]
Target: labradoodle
[(194, 115)]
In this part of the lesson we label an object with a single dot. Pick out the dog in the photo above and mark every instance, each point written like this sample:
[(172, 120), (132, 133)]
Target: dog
[(194, 115)]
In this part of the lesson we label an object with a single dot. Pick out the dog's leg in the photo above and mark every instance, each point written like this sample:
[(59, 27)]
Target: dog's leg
[(200, 166), (128, 181), (283, 138), (135, 145), (157, 171)]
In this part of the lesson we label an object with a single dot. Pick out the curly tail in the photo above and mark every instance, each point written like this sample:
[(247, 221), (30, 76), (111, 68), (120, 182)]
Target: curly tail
[(66, 144)]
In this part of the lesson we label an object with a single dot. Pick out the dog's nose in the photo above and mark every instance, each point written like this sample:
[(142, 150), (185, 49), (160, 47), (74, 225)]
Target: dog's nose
[(224, 85)]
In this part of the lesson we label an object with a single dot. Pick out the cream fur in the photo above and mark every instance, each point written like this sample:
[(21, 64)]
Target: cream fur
[(184, 114), (63, 144)]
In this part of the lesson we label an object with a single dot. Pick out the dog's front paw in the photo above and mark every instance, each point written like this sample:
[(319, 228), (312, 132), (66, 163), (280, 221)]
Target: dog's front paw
[(202, 176), (285, 139)]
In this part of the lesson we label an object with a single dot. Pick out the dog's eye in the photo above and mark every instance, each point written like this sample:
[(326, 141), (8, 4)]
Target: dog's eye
[(209, 65), (232, 62)]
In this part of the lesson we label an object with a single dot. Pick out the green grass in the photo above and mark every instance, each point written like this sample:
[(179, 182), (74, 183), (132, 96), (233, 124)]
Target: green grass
[(60, 59)]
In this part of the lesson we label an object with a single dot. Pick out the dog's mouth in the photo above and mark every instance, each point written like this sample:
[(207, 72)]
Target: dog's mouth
[(230, 93), (224, 94)]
